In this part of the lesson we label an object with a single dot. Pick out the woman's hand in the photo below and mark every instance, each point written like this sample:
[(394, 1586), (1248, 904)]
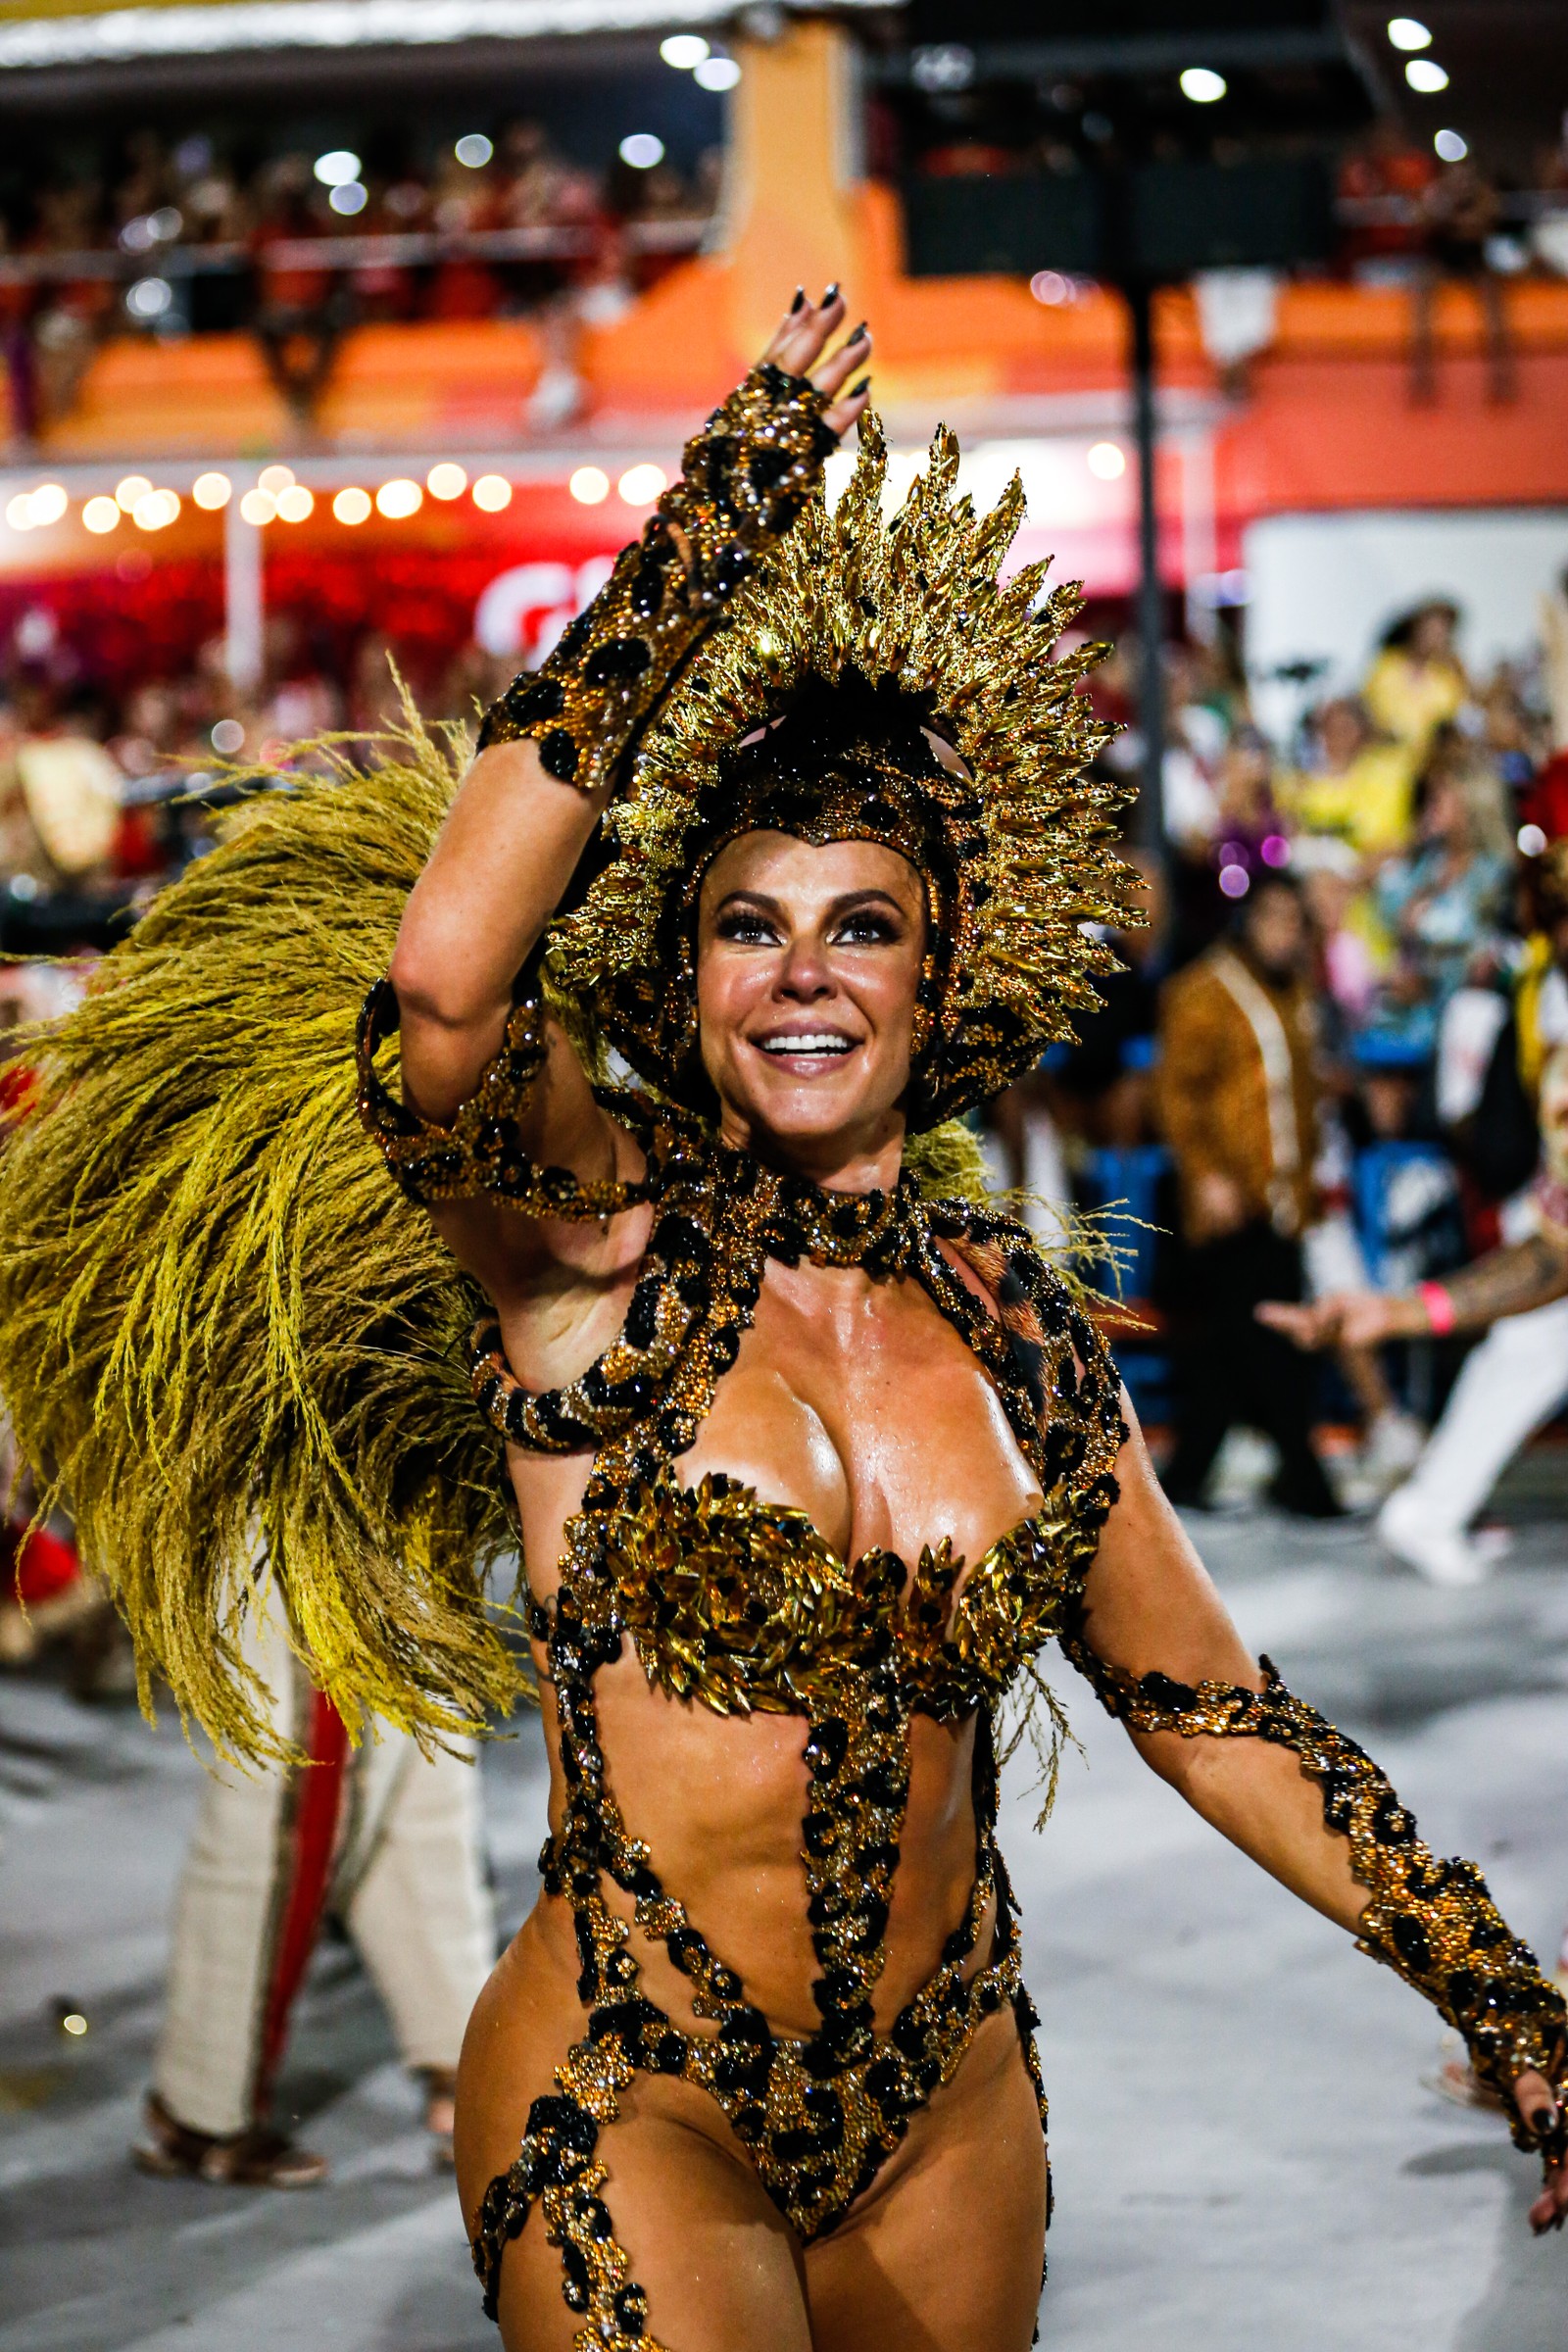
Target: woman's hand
[(1537, 2102), (803, 335)]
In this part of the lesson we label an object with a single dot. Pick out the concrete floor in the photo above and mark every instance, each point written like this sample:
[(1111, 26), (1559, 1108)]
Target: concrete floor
[(1245, 2150)]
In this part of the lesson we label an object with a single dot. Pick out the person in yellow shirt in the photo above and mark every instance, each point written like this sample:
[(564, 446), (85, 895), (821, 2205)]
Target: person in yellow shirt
[(1358, 787), (1417, 682)]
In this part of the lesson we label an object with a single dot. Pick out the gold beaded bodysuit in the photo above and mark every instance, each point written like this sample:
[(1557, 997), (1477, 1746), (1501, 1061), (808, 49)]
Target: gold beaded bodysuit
[(737, 1603)]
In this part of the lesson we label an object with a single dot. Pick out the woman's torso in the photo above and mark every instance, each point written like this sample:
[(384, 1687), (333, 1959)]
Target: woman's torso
[(855, 1404)]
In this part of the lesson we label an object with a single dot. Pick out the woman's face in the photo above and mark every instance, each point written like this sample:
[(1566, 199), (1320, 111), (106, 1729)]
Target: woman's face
[(1445, 817), (808, 961), (1432, 637)]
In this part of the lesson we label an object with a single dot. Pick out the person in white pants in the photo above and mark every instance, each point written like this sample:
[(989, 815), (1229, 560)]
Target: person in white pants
[(385, 1839), (1513, 1383)]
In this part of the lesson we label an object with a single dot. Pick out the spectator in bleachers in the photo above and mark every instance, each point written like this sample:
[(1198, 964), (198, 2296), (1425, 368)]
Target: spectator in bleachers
[(71, 315), (1553, 609), (1354, 784), (301, 308), (1385, 185), (1417, 683), (1444, 902), (1513, 728), (1347, 942), (1238, 1094), (1464, 214)]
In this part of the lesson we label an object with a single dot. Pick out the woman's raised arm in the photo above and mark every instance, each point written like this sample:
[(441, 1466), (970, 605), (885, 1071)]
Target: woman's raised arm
[(552, 747)]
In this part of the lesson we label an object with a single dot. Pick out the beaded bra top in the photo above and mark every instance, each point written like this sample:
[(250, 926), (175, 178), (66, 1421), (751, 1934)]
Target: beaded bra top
[(740, 1603)]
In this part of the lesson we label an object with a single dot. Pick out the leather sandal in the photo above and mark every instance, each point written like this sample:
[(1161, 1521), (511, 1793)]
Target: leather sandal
[(255, 2158)]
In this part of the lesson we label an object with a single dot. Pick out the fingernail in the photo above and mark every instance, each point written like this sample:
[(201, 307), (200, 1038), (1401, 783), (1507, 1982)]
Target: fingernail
[(1542, 2119), (859, 335), (799, 304), (831, 295), (864, 385)]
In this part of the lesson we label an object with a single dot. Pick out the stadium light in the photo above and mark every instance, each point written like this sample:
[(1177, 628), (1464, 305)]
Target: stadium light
[(337, 168), (1409, 32)]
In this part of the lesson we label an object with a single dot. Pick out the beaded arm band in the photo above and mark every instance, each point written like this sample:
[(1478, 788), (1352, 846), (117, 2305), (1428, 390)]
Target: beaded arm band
[(481, 1153), (1434, 1923), (746, 476)]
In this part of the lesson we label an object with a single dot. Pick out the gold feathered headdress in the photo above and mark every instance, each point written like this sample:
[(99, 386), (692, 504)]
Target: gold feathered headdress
[(885, 634)]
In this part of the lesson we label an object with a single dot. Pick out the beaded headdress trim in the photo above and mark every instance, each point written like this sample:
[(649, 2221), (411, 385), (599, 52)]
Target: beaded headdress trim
[(910, 608)]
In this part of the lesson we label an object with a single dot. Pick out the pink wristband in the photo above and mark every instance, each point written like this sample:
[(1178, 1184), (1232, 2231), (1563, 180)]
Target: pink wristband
[(1438, 1306)]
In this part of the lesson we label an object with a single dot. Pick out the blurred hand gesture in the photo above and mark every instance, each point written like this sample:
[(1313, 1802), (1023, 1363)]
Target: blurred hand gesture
[(1348, 1319)]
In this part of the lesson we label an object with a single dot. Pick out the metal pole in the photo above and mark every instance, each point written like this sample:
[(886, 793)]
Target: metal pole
[(244, 592), (1149, 817)]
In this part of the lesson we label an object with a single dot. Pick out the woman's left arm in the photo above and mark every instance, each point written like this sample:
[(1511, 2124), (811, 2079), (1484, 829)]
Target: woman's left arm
[(1307, 1804)]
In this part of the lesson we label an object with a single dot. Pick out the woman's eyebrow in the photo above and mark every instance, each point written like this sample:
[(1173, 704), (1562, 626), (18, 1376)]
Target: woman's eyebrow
[(862, 898), (748, 897), (870, 894)]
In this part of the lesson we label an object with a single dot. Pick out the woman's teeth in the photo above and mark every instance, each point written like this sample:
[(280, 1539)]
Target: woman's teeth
[(813, 1042)]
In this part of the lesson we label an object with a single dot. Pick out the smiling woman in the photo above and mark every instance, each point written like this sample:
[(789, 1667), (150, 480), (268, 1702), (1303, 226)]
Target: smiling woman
[(809, 957), (819, 1463), (807, 972), (810, 1451)]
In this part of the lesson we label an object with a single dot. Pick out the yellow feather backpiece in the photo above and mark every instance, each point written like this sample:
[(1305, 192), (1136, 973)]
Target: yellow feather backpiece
[(223, 1330), (220, 1326)]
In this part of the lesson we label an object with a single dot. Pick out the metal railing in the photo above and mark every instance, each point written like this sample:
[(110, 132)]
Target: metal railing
[(409, 250)]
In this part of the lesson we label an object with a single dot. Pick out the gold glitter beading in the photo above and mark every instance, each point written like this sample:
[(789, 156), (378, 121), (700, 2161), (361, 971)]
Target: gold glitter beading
[(1433, 1921), (744, 479), (738, 1604)]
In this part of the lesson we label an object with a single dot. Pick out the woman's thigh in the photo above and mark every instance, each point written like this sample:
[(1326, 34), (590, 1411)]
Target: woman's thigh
[(718, 2266), (945, 2253)]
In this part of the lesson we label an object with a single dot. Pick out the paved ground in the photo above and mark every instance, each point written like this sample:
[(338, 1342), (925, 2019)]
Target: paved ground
[(1244, 2153)]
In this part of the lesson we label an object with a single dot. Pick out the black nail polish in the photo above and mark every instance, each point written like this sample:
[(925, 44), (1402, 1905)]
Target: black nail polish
[(858, 336), (864, 385), (831, 295), (799, 304), (1542, 2119)]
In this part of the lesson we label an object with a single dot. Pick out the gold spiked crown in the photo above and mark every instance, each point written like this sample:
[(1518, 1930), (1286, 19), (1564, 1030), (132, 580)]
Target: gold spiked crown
[(867, 638)]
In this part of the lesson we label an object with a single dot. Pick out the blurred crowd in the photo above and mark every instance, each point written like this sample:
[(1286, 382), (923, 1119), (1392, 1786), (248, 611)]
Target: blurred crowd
[(1412, 218), (1310, 1076), (104, 797), (172, 237)]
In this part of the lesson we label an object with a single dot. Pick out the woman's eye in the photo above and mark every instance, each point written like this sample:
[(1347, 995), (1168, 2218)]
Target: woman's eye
[(749, 930), (864, 931)]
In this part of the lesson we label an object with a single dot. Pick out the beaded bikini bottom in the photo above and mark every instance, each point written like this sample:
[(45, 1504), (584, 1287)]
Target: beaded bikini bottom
[(818, 2117)]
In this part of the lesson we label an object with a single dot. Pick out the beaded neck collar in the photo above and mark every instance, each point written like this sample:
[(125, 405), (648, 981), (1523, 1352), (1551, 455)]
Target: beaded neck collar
[(789, 1217)]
